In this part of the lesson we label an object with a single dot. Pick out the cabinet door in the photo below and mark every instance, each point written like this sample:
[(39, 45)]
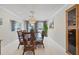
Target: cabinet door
[(0, 47), (72, 31), (72, 41)]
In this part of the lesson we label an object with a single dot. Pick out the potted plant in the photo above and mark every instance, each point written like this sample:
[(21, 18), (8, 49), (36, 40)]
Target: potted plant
[(45, 28)]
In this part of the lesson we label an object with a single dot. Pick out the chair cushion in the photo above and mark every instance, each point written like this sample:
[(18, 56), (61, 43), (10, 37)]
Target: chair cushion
[(39, 39)]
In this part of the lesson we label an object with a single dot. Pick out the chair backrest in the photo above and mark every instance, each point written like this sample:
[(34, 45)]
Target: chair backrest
[(28, 37), (40, 36), (43, 34), (20, 35)]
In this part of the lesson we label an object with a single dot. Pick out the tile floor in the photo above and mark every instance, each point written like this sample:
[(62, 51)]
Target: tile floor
[(51, 48)]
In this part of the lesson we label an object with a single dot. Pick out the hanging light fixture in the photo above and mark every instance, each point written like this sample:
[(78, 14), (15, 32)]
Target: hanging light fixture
[(32, 19)]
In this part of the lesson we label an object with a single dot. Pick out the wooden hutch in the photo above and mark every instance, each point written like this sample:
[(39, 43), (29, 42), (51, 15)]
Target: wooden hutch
[(72, 30)]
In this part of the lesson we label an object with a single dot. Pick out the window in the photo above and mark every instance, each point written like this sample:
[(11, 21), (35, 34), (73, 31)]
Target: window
[(18, 26), (1, 22), (13, 24)]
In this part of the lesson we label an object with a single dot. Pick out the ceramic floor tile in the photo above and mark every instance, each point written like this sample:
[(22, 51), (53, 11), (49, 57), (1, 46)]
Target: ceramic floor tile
[(51, 48)]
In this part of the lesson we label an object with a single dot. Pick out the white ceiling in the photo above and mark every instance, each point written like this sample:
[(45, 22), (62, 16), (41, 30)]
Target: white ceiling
[(42, 11)]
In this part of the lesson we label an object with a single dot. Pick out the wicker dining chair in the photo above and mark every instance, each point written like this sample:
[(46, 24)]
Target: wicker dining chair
[(20, 37), (39, 41), (28, 42)]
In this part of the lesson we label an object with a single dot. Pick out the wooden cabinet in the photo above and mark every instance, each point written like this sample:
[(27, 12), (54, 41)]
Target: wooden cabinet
[(72, 30), (0, 47)]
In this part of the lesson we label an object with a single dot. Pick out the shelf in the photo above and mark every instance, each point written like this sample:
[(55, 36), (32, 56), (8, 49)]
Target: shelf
[(71, 27)]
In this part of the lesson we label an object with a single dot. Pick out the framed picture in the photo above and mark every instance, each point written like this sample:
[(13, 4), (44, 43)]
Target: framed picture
[(51, 24), (1, 21)]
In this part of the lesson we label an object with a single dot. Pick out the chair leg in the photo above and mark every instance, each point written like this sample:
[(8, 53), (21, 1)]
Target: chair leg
[(18, 46), (35, 47), (33, 52), (23, 52), (43, 46)]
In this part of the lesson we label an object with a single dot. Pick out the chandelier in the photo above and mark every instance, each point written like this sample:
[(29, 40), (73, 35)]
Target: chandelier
[(32, 19)]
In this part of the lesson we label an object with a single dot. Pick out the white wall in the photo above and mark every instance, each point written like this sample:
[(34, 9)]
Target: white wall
[(58, 34), (6, 35)]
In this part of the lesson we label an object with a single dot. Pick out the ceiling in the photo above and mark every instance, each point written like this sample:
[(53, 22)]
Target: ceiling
[(42, 11)]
